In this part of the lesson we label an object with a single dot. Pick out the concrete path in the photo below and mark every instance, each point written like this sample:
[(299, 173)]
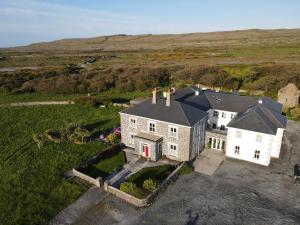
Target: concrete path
[(133, 167), (208, 161), (70, 214)]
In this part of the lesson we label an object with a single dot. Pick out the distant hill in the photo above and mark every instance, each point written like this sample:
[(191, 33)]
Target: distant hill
[(259, 60), (171, 41)]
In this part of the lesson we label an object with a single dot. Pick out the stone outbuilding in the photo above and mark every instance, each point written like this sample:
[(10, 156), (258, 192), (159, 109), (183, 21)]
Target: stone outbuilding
[(288, 96)]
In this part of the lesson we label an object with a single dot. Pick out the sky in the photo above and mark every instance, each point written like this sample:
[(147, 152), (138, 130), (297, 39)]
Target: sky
[(27, 21)]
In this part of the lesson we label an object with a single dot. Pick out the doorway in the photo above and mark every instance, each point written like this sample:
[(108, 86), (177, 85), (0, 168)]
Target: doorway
[(145, 150), (217, 143)]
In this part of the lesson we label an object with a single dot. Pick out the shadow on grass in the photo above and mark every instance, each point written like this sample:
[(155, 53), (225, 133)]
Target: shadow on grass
[(106, 166)]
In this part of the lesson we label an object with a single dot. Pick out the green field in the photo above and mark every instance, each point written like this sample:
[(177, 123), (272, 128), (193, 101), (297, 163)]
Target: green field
[(28, 97), (32, 187)]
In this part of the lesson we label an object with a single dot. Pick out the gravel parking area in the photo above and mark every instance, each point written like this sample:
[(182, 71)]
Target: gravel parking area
[(237, 193)]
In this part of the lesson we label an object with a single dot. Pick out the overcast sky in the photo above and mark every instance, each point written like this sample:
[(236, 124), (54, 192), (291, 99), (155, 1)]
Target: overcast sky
[(26, 21)]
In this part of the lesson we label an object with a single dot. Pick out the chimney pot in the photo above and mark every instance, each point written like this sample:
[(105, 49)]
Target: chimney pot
[(154, 96), (168, 100)]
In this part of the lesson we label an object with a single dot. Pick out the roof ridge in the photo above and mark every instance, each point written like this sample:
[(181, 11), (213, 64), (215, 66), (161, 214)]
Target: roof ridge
[(243, 114), (271, 111), (263, 119), (210, 105), (183, 111)]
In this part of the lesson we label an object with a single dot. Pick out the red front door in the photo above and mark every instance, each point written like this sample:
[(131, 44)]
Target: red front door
[(146, 151)]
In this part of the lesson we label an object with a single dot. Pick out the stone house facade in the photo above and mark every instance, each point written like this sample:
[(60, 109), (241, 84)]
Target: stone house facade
[(180, 125)]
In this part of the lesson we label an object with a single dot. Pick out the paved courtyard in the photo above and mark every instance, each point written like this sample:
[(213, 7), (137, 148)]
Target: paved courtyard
[(208, 161), (237, 193)]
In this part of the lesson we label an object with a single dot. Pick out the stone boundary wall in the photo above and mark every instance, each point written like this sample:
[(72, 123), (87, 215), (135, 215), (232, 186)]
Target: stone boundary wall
[(94, 159), (15, 104), (95, 181), (150, 198)]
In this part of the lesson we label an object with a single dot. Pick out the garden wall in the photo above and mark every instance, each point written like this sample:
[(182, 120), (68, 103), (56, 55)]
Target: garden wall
[(94, 159), (146, 201), (95, 181)]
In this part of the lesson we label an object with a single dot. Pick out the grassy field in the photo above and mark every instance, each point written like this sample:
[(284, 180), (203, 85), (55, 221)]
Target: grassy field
[(28, 97), (32, 188)]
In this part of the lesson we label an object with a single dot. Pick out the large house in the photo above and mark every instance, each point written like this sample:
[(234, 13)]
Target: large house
[(180, 124)]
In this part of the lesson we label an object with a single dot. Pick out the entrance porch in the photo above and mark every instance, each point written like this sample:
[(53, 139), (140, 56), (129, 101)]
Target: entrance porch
[(215, 140), (148, 146)]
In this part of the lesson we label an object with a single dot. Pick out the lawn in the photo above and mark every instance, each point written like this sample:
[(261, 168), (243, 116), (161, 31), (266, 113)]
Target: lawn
[(157, 174), (26, 97), (106, 166), (32, 187)]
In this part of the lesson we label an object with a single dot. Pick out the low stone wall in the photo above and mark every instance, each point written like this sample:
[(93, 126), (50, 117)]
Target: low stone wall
[(127, 197), (150, 198), (41, 103), (95, 181)]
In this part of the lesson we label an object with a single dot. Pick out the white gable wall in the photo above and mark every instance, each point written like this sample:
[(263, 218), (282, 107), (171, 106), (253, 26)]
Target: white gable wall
[(219, 120), (248, 144), (277, 143)]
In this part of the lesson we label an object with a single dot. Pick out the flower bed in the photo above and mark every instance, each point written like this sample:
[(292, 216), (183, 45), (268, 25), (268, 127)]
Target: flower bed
[(142, 183)]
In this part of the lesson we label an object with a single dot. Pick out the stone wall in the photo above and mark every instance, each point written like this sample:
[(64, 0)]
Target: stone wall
[(95, 181), (150, 198)]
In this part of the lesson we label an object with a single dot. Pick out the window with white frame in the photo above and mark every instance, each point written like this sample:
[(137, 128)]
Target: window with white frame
[(238, 134), (131, 138), (173, 131), (256, 154), (237, 150), (232, 116), (132, 122), (258, 138), (216, 114), (151, 127), (223, 115), (173, 149)]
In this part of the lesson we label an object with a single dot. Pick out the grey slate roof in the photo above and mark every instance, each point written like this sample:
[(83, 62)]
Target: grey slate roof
[(259, 118), (209, 99), (150, 137), (187, 109), (177, 112)]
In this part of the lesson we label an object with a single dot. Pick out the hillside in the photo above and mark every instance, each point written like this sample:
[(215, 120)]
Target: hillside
[(249, 59)]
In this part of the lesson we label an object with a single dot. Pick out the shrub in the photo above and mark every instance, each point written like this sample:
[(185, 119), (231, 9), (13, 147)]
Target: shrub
[(113, 138), (86, 100), (128, 187), (150, 184)]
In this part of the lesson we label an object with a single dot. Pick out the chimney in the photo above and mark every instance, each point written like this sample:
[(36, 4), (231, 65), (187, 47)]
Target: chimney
[(168, 99), (154, 96)]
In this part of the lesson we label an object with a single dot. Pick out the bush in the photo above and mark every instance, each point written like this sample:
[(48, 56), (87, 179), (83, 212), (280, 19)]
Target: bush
[(113, 138), (128, 187), (150, 185)]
